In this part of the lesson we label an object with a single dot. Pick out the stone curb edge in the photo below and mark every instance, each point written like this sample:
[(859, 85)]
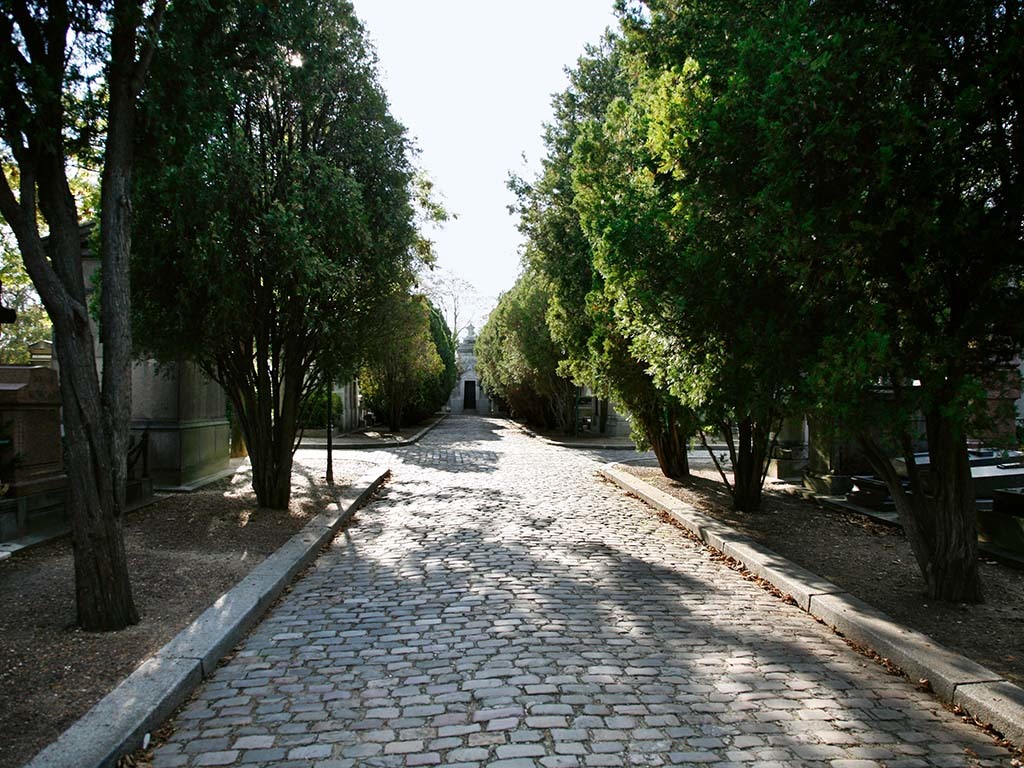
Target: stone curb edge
[(381, 446), (537, 436), (147, 697), (955, 679)]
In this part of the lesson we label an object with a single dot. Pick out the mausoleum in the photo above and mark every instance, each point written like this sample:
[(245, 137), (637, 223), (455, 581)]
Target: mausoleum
[(469, 395)]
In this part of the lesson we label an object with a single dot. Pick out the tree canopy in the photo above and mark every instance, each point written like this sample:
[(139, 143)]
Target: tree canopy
[(813, 209), (275, 210), (518, 359), (410, 372), (584, 315)]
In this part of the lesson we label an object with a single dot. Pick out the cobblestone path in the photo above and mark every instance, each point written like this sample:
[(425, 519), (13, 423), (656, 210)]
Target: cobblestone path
[(499, 605)]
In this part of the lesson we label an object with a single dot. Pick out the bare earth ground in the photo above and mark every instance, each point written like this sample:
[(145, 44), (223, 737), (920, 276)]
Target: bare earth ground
[(875, 563), (184, 551)]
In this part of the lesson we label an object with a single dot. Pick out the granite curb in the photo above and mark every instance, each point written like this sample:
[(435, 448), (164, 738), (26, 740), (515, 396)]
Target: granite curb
[(569, 443), (321, 442), (954, 678), (147, 697)]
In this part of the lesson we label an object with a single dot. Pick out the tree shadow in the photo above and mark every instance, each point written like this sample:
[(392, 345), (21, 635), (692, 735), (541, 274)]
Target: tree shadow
[(517, 611), (466, 606), (448, 458), (484, 428)]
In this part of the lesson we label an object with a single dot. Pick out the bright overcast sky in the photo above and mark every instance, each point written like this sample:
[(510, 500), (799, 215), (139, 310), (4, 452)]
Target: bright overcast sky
[(472, 81)]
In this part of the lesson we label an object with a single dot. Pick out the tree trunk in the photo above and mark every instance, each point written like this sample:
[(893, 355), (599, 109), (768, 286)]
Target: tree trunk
[(938, 514), (103, 593), (671, 454), (749, 458), (395, 415), (952, 569), (271, 477), (238, 447), (270, 438), (602, 415), (667, 440), (96, 419)]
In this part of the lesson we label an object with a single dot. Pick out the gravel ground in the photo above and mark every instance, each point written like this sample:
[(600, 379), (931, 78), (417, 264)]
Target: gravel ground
[(875, 563), (184, 551)]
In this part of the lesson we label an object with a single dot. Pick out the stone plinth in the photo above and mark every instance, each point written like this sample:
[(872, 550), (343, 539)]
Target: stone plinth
[(33, 462)]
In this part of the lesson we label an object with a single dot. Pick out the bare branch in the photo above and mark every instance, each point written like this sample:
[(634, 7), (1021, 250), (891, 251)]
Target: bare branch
[(718, 466)]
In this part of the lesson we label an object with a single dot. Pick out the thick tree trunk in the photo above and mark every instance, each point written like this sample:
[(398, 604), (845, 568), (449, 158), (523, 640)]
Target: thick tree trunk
[(938, 514), (103, 594), (952, 569), (668, 441), (271, 477), (115, 233), (671, 455), (602, 415), (749, 456), (270, 437)]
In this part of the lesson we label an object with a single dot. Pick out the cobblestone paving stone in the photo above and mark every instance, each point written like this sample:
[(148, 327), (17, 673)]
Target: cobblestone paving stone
[(499, 605)]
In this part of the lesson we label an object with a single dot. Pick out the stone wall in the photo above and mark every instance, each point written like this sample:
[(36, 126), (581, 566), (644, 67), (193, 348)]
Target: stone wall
[(184, 414)]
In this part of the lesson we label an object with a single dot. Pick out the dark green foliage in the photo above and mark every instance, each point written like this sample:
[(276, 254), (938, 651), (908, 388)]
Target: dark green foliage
[(822, 204), (274, 209), (424, 395), (438, 388), (402, 374), (314, 410), (582, 315), (518, 360), (678, 242), (912, 183)]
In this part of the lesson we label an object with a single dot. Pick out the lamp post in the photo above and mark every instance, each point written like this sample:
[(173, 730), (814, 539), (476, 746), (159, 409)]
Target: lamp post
[(330, 431)]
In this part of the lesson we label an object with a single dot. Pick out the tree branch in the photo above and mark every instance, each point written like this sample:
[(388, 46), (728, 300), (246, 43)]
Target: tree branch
[(149, 44), (718, 466), (21, 218), (30, 31)]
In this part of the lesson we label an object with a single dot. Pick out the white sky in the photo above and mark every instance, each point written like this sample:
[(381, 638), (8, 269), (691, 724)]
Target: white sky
[(472, 81)]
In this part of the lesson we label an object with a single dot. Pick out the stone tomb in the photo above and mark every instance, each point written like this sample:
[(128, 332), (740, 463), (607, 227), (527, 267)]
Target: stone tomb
[(31, 456), (468, 394), (182, 413)]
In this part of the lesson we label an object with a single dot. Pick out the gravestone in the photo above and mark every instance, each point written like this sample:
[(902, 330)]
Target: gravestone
[(790, 454), (30, 419), (831, 462), (1003, 525)]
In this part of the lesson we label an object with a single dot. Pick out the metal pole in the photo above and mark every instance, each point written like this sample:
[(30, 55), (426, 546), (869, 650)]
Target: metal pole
[(576, 413), (330, 432)]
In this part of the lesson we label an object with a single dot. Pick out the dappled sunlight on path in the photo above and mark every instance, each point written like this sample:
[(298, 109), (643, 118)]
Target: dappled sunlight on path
[(498, 605)]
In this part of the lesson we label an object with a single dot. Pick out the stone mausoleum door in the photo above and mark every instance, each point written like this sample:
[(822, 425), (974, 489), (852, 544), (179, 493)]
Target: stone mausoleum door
[(469, 397)]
